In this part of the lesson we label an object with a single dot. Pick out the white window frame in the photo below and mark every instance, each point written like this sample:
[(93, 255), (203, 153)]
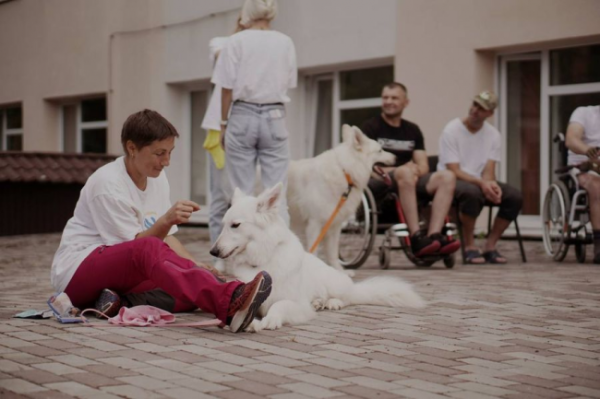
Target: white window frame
[(338, 104), (9, 132), (79, 124), (531, 225)]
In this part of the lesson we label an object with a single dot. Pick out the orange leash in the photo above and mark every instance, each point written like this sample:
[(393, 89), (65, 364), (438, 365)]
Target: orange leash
[(340, 203)]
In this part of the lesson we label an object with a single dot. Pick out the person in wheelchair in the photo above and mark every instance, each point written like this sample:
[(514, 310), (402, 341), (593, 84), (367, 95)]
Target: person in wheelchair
[(470, 148), (410, 176), (583, 142)]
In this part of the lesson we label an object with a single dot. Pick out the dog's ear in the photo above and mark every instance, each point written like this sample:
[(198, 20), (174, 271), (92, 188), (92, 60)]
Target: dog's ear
[(237, 194), (347, 133), (269, 199), (359, 138)]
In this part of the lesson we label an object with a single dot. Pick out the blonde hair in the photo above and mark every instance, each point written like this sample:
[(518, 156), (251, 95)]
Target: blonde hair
[(253, 10)]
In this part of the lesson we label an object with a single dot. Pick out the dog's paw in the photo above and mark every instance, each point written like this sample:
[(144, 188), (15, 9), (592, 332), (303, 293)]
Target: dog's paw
[(318, 304), (254, 326), (334, 304), (271, 323)]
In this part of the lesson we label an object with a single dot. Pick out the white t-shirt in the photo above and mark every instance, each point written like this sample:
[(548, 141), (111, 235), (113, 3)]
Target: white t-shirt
[(212, 118), (471, 150), (589, 118), (258, 65), (110, 210)]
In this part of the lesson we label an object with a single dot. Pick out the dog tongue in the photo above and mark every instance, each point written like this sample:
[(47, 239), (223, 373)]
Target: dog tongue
[(379, 170)]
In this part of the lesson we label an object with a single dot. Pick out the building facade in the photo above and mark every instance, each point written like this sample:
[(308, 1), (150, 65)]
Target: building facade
[(71, 71)]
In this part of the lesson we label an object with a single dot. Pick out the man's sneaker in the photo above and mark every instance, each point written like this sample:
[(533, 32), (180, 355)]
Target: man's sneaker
[(109, 303), (447, 246), (246, 300), (422, 245)]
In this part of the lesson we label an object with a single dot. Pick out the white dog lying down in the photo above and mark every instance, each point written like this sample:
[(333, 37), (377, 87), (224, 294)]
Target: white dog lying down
[(315, 186), (255, 238)]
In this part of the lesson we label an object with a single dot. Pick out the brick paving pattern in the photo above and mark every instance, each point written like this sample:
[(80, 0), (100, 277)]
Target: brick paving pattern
[(517, 331)]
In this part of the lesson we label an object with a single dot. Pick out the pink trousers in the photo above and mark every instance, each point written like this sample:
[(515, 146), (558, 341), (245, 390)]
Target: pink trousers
[(145, 264)]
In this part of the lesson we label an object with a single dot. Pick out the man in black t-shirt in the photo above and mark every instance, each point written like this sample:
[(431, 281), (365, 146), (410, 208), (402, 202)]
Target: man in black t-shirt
[(410, 176)]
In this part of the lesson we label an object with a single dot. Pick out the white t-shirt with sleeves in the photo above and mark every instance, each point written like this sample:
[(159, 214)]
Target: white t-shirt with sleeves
[(589, 118), (471, 150), (110, 210), (212, 118), (258, 65)]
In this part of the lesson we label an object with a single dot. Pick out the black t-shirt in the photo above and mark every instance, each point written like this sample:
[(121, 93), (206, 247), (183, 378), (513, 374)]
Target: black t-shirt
[(400, 141)]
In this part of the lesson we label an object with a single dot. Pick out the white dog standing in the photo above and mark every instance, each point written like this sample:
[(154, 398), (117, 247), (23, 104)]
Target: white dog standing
[(315, 186), (255, 238)]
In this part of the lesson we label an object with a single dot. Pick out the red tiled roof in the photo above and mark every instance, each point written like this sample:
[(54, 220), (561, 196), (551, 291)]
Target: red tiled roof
[(49, 167)]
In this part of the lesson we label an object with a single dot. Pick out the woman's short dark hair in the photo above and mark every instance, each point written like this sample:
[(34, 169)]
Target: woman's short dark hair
[(145, 127)]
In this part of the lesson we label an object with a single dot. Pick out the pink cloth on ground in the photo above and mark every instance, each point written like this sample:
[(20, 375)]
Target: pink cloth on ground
[(141, 316)]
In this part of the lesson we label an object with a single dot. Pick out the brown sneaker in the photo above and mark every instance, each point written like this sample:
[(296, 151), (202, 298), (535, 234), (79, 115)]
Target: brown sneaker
[(246, 300)]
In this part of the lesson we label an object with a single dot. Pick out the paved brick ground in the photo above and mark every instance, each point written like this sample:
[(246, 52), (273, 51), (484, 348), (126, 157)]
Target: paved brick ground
[(517, 331)]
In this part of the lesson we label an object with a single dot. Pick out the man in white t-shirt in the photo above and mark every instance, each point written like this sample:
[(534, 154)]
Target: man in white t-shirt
[(583, 142), (471, 148)]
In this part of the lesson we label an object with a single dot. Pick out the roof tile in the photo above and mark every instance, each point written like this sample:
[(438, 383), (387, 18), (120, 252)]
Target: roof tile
[(49, 167)]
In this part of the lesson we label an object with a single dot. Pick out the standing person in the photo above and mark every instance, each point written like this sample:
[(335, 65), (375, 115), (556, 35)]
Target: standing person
[(255, 70), (583, 142), (471, 148), (220, 188), (410, 176), (121, 237)]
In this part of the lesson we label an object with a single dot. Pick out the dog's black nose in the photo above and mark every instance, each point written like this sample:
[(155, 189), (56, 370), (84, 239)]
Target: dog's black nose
[(214, 251)]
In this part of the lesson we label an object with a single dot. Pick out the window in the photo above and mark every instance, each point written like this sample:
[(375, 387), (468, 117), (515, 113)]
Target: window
[(344, 97), (575, 65), (11, 128), (84, 126)]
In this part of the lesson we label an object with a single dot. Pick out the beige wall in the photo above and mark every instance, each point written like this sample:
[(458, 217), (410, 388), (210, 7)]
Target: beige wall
[(446, 50)]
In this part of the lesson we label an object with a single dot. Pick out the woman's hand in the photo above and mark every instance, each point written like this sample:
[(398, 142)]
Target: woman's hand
[(180, 212)]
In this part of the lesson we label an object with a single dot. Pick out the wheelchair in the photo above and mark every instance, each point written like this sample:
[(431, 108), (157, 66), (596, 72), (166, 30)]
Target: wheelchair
[(565, 214), (384, 216)]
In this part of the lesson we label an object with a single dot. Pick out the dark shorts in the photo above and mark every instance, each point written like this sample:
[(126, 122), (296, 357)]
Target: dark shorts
[(471, 200)]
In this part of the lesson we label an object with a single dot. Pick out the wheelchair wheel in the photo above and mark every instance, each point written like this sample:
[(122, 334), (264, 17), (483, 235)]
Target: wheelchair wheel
[(557, 204), (384, 257), (358, 233), (580, 252), (450, 260)]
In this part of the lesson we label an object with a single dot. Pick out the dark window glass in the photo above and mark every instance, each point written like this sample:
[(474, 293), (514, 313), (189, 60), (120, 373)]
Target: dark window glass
[(14, 118), (93, 110), (575, 65), (94, 140), (356, 117), (324, 115), (14, 142), (365, 83)]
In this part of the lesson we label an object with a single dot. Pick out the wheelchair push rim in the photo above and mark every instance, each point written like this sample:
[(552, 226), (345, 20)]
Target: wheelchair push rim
[(358, 233), (556, 221)]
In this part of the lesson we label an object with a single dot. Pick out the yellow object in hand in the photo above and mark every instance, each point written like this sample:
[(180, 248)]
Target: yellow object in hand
[(213, 146)]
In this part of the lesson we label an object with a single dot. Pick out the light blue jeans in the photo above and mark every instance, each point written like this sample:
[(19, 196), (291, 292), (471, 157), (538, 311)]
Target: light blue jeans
[(220, 197), (256, 134)]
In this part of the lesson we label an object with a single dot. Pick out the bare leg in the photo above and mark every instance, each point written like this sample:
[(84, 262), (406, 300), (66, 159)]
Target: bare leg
[(591, 184), (497, 229), (441, 184), (407, 183), (468, 227)]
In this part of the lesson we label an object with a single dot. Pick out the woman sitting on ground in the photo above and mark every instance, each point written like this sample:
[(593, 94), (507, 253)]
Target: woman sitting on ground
[(121, 237)]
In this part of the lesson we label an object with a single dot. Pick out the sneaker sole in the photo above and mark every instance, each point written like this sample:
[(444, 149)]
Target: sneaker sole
[(428, 250), (450, 248), (243, 317)]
